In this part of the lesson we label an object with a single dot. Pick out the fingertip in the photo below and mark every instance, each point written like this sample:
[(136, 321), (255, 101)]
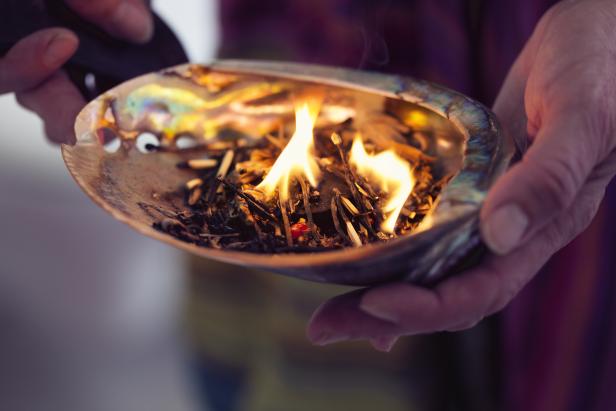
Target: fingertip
[(314, 331), (60, 47), (384, 344), (59, 119), (341, 319), (133, 22), (324, 326)]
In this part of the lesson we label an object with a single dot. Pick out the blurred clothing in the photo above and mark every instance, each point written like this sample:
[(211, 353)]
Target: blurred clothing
[(467, 45), (556, 339), (252, 353)]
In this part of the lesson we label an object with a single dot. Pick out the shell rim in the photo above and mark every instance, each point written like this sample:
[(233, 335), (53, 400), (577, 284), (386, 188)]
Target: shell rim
[(333, 76)]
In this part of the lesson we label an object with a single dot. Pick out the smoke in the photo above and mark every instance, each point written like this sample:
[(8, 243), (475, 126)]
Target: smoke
[(372, 23), (375, 51)]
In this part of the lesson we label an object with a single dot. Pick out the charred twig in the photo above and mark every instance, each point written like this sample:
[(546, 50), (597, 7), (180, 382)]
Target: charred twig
[(364, 188), (194, 191), (259, 207), (349, 206), (194, 196), (285, 220), (408, 213), (147, 208), (225, 164), (361, 217), (276, 142), (221, 173), (201, 163), (176, 228), (309, 218), (255, 223), (349, 176), (355, 239), (291, 205), (225, 210), (209, 235), (351, 232), (336, 220), (194, 183), (363, 200)]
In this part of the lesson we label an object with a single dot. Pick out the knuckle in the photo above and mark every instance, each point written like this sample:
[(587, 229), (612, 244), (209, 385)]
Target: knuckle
[(575, 222), (50, 132), (588, 211), (506, 289), (607, 170), (4, 83), (594, 105), (553, 16), (561, 13), (554, 236), (548, 17), (559, 235), (23, 100), (600, 117), (504, 297), (30, 100)]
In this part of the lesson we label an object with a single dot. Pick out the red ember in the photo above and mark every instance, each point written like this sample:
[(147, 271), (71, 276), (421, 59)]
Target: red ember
[(298, 230)]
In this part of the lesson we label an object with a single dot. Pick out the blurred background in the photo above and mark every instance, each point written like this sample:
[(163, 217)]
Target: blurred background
[(89, 309)]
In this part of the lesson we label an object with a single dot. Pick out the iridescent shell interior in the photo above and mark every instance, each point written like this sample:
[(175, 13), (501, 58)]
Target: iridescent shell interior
[(195, 109)]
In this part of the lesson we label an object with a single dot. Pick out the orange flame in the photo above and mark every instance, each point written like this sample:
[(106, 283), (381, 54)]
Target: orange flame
[(297, 158), (391, 173)]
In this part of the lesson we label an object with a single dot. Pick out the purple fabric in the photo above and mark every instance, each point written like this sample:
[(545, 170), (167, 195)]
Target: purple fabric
[(559, 335), (467, 45)]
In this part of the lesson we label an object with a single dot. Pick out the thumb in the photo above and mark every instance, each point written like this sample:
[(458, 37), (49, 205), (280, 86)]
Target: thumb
[(542, 185)]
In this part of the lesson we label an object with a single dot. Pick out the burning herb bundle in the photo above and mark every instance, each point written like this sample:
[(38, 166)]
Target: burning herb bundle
[(319, 189)]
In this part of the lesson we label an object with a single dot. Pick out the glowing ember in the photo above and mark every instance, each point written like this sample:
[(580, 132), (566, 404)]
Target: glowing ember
[(391, 173), (297, 158)]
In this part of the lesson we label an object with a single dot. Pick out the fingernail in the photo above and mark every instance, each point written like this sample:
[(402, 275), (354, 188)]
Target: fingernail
[(504, 228), (378, 311), (133, 22), (383, 344), (59, 49), (326, 338)]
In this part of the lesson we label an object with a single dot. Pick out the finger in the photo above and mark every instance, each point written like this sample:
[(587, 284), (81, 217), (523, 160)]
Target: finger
[(511, 107), (341, 319), (403, 309), (127, 19), (459, 302), (35, 58), (543, 185), (57, 102)]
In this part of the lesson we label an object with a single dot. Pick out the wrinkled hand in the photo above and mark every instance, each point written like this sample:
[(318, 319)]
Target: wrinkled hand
[(31, 69), (560, 94)]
